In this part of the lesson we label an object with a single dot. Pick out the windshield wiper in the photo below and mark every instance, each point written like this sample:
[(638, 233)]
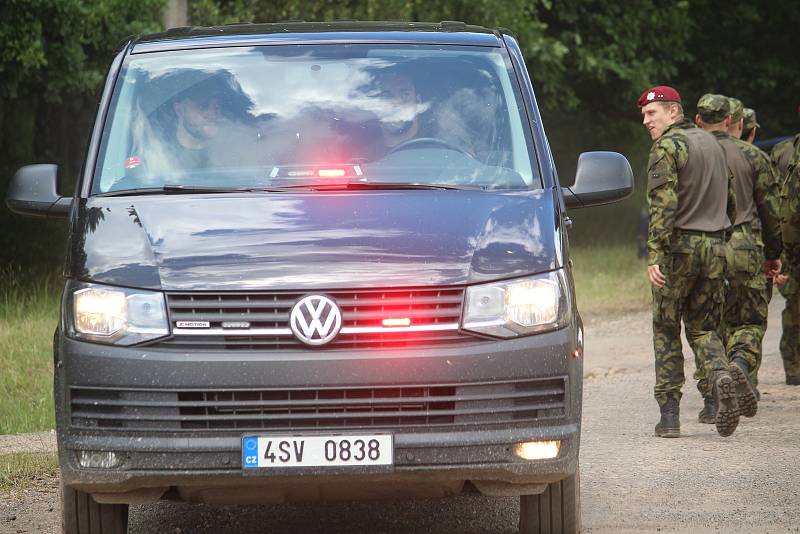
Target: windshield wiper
[(332, 186), (182, 189)]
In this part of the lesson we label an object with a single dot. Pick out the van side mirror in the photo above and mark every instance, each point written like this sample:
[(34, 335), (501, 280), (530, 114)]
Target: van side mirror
[(34, 191), (601, 178)]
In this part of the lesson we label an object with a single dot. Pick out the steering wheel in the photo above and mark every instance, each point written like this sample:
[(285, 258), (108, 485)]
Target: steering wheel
[(423, 141)]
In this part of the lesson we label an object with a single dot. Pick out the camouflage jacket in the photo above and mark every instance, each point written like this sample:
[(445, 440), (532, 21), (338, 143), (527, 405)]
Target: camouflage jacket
[(790, 212), (781, 155), (767, 197), (668, 156)]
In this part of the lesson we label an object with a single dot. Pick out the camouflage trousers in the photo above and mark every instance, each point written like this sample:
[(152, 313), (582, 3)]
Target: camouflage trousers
[(693, 294), (746, 298), (790, 321)]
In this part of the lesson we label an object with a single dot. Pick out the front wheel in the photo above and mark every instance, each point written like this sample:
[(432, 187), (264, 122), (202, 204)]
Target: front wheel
[(556, 511), (81, 514)]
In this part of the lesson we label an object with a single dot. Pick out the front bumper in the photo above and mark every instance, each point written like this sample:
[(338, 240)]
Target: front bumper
[(204, 464)]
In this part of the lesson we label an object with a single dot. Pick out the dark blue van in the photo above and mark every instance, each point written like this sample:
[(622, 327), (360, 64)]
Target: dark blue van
[(311, 262)]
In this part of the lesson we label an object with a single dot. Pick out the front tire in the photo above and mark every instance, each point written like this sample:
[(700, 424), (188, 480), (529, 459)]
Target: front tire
[(555, 511), (81, 514)]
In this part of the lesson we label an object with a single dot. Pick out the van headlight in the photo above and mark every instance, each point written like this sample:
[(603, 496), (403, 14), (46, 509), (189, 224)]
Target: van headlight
[(518, 307), (114, 315)]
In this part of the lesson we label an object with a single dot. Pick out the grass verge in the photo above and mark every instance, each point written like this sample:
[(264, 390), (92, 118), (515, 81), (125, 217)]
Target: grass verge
[(28, 317), (18, 470), (610, 280)]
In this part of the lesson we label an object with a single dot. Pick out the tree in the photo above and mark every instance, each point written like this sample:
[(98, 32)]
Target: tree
[(62, 47), (53, 57)]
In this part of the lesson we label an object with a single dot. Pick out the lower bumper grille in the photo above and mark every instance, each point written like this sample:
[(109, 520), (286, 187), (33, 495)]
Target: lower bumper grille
[(408, 406)]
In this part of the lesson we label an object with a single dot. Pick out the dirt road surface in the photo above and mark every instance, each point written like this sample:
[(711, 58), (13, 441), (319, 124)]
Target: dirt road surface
[(632, 481)]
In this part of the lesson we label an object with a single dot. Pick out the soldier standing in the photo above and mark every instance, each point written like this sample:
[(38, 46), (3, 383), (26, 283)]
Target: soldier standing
[(691, 202), (789, 280), (757, 211)]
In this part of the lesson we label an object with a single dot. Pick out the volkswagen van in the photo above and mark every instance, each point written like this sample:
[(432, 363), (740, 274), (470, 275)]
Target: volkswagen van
[(313, 262)]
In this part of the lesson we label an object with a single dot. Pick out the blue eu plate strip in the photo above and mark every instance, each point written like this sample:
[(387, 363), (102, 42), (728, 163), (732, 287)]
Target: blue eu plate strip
[(250, 452)]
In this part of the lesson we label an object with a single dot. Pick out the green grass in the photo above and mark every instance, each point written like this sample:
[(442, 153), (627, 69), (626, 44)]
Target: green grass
[(19, 470), (28, 317), (610, 280)]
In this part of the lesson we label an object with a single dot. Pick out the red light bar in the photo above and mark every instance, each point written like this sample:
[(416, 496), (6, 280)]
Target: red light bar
[(399, 321)]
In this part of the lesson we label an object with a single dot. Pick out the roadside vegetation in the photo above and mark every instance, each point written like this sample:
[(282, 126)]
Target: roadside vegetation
[(19, 470), (28, 317), (610, 280)]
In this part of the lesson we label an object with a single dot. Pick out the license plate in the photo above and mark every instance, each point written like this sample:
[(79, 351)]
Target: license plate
[(316, 451)]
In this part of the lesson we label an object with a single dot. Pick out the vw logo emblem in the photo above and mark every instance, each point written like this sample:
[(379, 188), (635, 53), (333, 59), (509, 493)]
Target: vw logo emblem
[(315, 320)]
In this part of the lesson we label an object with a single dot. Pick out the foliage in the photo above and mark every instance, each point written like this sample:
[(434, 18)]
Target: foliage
[(747, 50), (58, 47)]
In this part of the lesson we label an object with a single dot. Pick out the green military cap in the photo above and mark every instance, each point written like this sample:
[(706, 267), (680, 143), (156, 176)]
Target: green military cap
[(750, 119), (713, 108), (737, 109)]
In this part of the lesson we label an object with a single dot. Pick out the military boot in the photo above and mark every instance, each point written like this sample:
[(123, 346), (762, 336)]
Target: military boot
[(707, 415), (725, 403), (669, 426), (745, 393)]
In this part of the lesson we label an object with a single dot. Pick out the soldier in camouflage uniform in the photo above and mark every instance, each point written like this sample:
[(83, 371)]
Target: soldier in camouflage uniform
[(749, 133), (750, 126), (790, 212), (736, 124), (757, 203), (691, 203), (789, 281)]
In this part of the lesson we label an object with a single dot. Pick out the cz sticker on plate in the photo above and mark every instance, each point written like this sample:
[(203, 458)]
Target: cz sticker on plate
[(316, 451)]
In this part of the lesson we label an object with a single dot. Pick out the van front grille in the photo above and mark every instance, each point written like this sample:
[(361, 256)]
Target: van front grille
[(260, 320), (406, 406)]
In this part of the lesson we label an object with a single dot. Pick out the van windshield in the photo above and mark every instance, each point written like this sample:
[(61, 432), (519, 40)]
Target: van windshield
[(290, 115)]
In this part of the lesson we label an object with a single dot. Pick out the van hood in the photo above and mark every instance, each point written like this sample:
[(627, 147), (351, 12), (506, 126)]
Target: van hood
[(305, 241)]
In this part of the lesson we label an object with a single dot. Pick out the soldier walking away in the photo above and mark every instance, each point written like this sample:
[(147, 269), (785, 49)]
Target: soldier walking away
[(788, 281), (736, 125), (750, 126), (757, 210), (691, 202), (749, 133), (790, 212)]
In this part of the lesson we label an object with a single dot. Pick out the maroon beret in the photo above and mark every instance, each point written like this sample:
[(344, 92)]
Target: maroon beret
[(660, 93)]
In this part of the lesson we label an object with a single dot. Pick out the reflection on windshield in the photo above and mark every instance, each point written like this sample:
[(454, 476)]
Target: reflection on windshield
[(271, 116)]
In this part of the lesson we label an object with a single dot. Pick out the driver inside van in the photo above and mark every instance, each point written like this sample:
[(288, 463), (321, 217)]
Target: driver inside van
[(398, 106), (399, 92)]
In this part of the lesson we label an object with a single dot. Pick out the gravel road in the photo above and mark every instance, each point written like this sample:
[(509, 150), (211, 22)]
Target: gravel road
[(632, 482)]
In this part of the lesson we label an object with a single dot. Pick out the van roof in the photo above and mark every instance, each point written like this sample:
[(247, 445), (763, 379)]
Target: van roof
[(297, 32)]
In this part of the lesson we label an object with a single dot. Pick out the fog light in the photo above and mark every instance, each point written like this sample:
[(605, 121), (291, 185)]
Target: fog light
[(537, 450), (98, 459)]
